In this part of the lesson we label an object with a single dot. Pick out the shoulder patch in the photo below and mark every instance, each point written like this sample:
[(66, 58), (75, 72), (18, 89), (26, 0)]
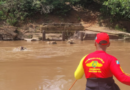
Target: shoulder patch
[(117, 62), (96, 38)]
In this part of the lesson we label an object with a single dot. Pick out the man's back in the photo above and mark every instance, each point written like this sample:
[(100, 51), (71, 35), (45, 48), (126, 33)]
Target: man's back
[(97, 71), (97, 64)]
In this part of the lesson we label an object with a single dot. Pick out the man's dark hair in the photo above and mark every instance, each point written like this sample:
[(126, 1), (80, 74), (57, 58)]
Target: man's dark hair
[(102, 42)]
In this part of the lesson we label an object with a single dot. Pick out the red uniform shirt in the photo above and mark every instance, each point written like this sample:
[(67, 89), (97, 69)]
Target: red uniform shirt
[(99, 64)]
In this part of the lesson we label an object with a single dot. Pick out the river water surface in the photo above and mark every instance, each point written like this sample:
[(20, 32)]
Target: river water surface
[(51, 67)]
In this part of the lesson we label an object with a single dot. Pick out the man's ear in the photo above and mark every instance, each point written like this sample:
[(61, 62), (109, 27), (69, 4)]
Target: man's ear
[(108, 44), (95, 43)]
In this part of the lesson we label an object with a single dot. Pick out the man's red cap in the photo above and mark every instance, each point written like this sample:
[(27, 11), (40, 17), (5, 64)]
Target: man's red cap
[(102, 38)]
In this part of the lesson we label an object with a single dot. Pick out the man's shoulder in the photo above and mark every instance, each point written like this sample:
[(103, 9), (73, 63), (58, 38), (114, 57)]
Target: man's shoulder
[(106, 55), (111, 56), (91, 53)]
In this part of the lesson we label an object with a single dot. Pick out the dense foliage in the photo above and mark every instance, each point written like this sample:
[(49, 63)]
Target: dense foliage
[(117, 8), (14, 11)]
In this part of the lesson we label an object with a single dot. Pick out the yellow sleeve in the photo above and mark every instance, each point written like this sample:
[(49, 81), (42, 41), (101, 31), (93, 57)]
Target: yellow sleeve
[(79, 71), (124, 72)]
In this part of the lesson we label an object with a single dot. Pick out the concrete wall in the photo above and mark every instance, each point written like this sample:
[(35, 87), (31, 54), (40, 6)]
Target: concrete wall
[(66, 27)]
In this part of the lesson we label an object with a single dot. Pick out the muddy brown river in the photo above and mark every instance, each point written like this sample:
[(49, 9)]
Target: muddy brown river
[(51, 67)]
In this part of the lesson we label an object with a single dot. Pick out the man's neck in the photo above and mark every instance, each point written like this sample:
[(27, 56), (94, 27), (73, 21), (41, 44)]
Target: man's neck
[(101, 49)]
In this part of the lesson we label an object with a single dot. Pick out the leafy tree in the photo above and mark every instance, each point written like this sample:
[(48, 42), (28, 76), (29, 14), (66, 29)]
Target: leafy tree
[(118, 8), (15, 10)]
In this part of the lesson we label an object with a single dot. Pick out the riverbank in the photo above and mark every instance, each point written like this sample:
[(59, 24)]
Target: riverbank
[(78, 19)]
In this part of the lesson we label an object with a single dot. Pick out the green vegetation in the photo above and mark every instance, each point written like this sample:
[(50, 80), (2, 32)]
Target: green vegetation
[(117, 27), (117, 8), (14, 11)]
